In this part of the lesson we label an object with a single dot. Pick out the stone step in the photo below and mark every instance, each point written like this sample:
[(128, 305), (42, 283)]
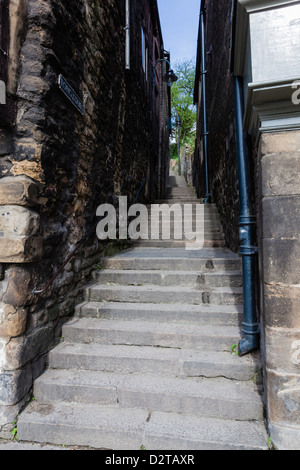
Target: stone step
[(181, 243), (118, 428), (145, 258), (206, 228), (148, 360), (143, 333), (168, 278), (183, 200), (198, 396), (187, 211), (167, 295), (179, 192), (180, 234), (228, 315), (188, 221)]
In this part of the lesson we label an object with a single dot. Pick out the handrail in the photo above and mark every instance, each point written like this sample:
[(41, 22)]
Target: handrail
[(72, 254)]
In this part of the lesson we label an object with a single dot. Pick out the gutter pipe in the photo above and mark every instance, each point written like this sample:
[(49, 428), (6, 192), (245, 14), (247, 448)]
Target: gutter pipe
[(127, 30), (203, 72), (251, 327)]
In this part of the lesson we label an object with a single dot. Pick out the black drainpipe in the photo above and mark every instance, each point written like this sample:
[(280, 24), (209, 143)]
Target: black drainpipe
[(251, 327), (207, 199)]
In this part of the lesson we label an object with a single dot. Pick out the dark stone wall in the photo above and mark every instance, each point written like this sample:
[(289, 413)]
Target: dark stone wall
[(58, 166), (220, 116)]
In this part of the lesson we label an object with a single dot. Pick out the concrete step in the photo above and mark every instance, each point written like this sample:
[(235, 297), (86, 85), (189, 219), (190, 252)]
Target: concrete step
[(228, 315), (120, 428), (167, 295), (155, 334), (180, 234), (183, 209), (198, 396), (206, 229), (168, 278), (179, 192), (181, 243), (174, 259), (182, 200), (148, 360)]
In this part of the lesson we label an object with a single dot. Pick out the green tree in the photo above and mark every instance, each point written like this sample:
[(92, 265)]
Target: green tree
[(182, 93)]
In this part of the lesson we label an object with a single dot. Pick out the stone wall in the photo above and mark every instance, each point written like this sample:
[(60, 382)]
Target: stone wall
[(220, 119), (274, 158), (279, 243), (57, 166)]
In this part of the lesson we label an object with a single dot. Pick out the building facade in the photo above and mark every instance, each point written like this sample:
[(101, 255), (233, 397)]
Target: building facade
[(247, 92), (82, 125)]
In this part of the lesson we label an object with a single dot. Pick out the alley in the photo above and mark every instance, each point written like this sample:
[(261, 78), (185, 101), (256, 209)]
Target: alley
[(147, 361)]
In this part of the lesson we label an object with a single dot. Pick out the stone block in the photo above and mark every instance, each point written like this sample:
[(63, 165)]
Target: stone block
[(6, 142), (21, 249), (281, 261), (16, 288), (12, 321), (284, 398), (14, 385), (282, 305), (283, 350), (285, 437), (19, 190), (20, 351), (280, 174), (278, 217), (280, 142), (7, 415), (18, 221)]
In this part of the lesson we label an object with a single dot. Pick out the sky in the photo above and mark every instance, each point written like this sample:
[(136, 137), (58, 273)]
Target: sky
[(179, 22)]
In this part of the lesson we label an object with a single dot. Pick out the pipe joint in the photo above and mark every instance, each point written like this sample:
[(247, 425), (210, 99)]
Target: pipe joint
[(251, 329), (250, 250)]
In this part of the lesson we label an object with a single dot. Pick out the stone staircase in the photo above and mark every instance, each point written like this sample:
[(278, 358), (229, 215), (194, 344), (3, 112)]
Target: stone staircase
[(147, 359)]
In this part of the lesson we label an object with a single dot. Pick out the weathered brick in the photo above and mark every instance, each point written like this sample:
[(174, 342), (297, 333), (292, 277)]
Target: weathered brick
[(22, 350), (18, 221), (19, 191), (12, 321), (16, 289), (21, 249), (14, 385)]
